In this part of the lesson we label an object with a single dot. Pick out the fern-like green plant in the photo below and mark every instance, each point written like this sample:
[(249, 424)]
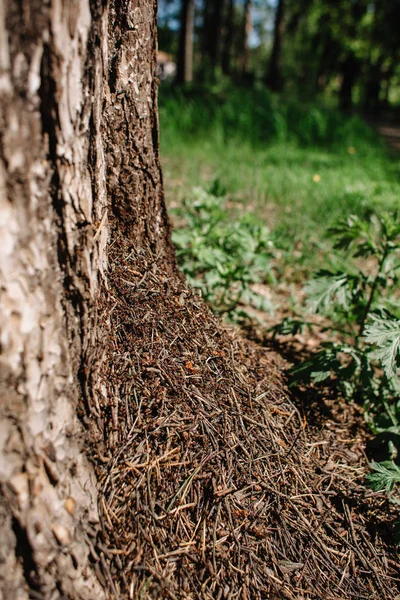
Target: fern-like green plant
[(353, 294), (385, 475), (364, 361), (290, 326), (222, 253), (366, 364), (383, 331)]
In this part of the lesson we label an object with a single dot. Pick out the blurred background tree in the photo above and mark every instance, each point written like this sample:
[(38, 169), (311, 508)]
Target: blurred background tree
[(342, 49)]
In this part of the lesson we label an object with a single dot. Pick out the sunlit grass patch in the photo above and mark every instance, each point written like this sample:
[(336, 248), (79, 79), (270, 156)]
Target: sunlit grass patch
[(298, 169)]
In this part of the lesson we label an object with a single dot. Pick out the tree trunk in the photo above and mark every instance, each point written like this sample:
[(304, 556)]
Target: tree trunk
[(228, 39), (373, 88), (185, 55), (349, 72), (78, 137), (274, 77), (244, 57), (212, 34)]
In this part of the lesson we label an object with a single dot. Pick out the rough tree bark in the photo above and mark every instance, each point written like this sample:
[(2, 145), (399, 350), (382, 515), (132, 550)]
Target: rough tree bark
[(78, 138)]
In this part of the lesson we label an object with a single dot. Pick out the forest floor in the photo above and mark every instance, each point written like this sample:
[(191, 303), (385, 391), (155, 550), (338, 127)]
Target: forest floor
[(298, 193), (217, 481)]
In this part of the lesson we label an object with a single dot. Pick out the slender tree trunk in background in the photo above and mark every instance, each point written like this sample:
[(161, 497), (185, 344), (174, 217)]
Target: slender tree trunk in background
[(228, 39), (274, 77), (185, 56), (323, 69), (350, 71), (205, 33), (78, 142), (244, 58), (388, 77), (212, 33), (373, 88), (387, 83)]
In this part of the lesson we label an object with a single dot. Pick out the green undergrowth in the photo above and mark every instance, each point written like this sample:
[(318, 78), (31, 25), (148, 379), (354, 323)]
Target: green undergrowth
[(266, 190), (257, 116), (222, 252), (361, 301), (298, 168), (361, 357)]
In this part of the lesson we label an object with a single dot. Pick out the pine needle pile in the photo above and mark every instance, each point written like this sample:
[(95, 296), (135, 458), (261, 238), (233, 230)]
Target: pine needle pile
[(211, 486)]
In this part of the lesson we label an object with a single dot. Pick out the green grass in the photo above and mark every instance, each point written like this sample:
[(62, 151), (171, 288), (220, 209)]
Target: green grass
[(298, 168)]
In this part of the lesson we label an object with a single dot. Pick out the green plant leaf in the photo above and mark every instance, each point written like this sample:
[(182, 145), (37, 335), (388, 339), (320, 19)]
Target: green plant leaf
[(353, 231), (221, 253), (386, 475), (328, 289), (384, 332), (290, 326), (318, 368)]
